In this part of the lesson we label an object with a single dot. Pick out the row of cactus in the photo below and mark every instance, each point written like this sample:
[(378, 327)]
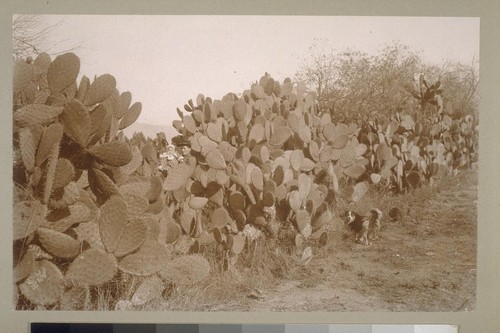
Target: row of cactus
[(91, 208), (83, 216), (271, 151)]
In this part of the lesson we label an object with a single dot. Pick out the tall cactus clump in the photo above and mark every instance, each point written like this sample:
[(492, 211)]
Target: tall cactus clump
[(64, 134), (411, 149), (81, 216), (268, 159), (262, 159)]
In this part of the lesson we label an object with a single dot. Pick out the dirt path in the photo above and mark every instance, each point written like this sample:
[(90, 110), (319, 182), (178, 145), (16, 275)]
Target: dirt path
[(425, 263)]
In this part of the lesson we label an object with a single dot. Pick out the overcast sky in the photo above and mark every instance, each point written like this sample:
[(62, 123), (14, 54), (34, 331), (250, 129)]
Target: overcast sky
[(166, 60)]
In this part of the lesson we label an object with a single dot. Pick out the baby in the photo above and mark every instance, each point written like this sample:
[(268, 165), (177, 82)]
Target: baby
[(169, 159), (170, 154)]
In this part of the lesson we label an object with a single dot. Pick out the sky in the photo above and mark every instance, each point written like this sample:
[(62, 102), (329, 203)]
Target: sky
[(166, 60)]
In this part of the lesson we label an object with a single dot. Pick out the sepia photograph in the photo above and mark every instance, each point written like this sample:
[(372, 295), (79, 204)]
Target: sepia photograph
[(215, 163)]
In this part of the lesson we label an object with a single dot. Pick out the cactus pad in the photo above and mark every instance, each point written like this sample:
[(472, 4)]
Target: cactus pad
[(314, 151), (279, 175), (173, 232), (305, 185), (78, 213), (360, 190), (294, 200), (114, 153), (383, 152), (136, 205), (413, 179), (355, 171), (307, 165), (257, 134), (25, 266), (360, 149), (348, 155), (339, 142), (227, 150), (134, 163), (96, 118), (215, 160), (221, 177), (44, 286), (124, 103), (63, 71), (130, 116), (148, 260), (58, 244), (178, 176), (220, 218), (152, 227), (137, 187), (101, 184), (28, 144), (76, 120), (326, 154), (240, 109), (257, 179), (197, 202), (240, 219), (280, 135), (305, 134), (36, 114), (91, 268), (238, 244), (296, 159), (328, 130), (214, 132), (112, 221), (132, 236), (50, 138), (323, 219), (28, 216), (22, 73), (102, 87), (65, 172), (189, 123), (302, 219), (375, 178)]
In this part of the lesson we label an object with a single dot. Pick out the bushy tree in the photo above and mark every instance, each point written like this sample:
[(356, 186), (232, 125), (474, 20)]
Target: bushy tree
[(353, 86)]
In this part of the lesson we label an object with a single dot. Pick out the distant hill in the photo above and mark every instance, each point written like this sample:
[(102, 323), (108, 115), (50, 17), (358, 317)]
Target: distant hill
[(150, 130)]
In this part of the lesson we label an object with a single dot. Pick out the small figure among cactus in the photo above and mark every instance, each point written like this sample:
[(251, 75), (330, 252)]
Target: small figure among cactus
[(184, 146), (169, 159)]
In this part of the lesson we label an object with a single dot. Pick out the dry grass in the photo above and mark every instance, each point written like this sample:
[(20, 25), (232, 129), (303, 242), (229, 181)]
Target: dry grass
[(263, 264)]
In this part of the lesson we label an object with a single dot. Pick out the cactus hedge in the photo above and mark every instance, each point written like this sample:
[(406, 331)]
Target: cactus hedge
[(91, 207), (270, 159)]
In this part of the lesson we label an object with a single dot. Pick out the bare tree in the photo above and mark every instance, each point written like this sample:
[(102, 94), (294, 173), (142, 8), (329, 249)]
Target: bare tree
[(31, 35)]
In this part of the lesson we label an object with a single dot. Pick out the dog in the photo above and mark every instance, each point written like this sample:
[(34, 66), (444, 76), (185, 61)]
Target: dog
[(366, 227)]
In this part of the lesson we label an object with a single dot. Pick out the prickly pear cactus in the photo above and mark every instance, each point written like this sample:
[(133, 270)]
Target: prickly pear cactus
[(272, 147), (266, 164), (69, 163)]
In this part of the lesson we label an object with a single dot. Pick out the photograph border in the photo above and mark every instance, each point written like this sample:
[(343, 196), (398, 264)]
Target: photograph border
[(483, 319)]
